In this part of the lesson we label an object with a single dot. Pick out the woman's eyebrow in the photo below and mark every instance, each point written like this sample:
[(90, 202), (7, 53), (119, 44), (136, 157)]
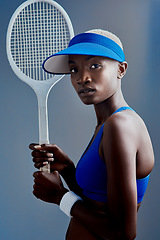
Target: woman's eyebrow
[(87, 59), (71, 62), (90, 57)]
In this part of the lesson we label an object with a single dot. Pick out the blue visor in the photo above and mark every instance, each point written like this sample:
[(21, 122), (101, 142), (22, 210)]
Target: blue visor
[(91, 44)]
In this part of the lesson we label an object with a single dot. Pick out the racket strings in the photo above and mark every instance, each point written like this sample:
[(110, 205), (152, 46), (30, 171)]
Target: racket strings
[(39, 31)]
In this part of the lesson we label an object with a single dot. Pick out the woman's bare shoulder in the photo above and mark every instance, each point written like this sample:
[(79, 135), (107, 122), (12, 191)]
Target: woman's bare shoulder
[(128, 131)]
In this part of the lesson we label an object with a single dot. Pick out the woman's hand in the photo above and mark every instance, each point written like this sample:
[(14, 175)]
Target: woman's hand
[(51, 153), (59, 161), (48, 187)]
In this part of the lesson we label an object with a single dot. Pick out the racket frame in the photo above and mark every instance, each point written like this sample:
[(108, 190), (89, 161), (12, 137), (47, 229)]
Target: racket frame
[(41, 88)]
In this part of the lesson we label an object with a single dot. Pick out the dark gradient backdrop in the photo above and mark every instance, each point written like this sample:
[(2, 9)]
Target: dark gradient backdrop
[(22, 217)]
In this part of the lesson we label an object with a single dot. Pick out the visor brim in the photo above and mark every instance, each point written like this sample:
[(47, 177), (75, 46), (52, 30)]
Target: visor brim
[(58, 63)]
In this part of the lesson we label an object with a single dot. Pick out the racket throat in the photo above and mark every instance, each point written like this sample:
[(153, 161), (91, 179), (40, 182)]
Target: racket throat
[(43, 120)]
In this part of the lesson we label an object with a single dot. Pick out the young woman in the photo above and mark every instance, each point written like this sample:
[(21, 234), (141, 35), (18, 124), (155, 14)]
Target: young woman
[(107, 186)]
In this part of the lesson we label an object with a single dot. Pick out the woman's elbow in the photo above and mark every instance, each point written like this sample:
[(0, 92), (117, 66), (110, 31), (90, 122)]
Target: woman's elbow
[(124, 230), (128, 235), (119, 236)]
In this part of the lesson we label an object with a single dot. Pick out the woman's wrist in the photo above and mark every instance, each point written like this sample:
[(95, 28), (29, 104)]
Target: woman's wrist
[(67, 202), (68, 171), (65, 190), (68, 175)]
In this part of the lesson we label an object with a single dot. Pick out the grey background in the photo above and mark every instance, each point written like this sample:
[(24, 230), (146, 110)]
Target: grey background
[(71, 123)]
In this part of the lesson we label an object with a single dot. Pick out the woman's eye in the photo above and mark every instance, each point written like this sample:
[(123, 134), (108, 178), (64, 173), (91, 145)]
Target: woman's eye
[(95, 66), (73, 70)]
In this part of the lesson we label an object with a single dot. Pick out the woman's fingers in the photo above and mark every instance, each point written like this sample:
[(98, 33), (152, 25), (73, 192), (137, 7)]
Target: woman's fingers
[(39, 154), (40, 160), (50, 153), (47, 147), (32, 146)]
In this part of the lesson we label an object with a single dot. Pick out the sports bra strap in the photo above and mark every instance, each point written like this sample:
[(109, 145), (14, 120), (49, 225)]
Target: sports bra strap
[(122, 108)]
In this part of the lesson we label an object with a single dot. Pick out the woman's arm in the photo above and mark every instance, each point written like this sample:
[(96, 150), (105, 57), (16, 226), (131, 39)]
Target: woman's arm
[(119, 145)]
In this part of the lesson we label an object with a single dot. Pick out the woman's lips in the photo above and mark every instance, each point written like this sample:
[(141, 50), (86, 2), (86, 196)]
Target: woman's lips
[(86, 91)]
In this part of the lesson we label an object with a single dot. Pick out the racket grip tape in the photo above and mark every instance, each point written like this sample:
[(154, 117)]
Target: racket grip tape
[(45, 168)]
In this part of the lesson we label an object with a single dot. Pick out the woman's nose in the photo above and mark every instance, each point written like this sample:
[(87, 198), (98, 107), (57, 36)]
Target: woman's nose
[(84, 78)]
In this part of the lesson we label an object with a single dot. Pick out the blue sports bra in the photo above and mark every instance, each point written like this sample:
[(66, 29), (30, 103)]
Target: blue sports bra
[(91, 172)]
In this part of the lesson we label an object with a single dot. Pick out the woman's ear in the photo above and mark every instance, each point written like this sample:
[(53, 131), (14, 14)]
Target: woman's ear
[(122, 68)]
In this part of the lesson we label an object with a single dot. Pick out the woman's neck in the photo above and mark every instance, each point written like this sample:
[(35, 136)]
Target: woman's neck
[(105, 109)]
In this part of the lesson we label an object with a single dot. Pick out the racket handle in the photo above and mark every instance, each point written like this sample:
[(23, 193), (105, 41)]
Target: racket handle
[(43, 124), (46, 168)]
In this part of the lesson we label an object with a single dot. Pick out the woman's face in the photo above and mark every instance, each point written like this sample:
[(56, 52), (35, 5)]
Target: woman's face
[(94, 78)]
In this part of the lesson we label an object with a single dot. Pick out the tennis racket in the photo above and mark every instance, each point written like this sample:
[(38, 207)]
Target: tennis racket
[(37, 29)]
